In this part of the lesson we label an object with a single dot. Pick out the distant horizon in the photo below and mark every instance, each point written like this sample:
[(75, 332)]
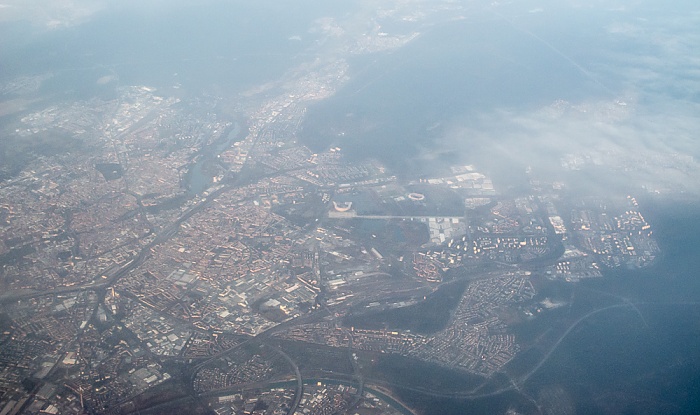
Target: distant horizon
[(394, 207)]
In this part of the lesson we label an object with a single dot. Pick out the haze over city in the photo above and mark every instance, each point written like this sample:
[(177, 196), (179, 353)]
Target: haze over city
[(360, 207)]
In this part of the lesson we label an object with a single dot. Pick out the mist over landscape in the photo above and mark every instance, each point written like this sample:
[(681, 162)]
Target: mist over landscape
[(359, 207)]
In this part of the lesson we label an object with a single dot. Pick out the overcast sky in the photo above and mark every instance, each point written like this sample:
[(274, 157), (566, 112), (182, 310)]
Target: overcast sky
[(651, 68)]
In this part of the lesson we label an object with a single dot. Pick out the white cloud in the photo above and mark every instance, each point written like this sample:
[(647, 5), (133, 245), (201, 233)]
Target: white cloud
[(647, 133), (50, 14), (646, 143)]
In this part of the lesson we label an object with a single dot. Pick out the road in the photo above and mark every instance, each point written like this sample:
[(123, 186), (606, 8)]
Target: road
[(357, 369), (300, 384)]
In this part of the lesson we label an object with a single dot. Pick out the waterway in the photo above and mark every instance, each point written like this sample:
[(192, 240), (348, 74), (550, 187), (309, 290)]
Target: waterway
[(401, 106), (641, 359), (199, 177)]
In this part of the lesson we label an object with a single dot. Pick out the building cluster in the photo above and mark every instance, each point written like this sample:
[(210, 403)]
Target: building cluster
[(477, 339), (39, 339), (98, 367), (276, 401), (382, 341), (604, 233), (112, 269), (255, 369), (575, 265), (72, 218), (226, 268), (427, 267), (510, 232), (323, 399), (318, 398)]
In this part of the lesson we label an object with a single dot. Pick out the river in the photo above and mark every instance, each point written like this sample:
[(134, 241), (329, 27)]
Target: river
[(197, 179)]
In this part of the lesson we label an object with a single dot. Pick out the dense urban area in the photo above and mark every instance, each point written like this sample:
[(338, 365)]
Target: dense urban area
[(177, 256)]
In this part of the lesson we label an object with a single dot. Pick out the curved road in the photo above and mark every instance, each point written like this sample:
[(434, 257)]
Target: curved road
[(300, 384)]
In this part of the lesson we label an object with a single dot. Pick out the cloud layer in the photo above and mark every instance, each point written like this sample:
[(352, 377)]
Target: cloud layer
[(645, 130)]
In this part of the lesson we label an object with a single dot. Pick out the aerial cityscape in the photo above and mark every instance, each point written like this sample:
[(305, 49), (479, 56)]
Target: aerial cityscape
[(172, 248)]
